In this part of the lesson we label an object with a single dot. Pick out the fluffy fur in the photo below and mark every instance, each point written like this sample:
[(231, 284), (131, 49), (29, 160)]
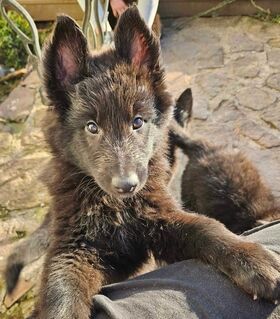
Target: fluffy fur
[(100, 235), (224, 184), (35, 246)]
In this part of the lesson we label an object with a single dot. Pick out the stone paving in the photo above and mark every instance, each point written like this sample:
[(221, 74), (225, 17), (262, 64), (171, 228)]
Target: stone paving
[(232, 66)]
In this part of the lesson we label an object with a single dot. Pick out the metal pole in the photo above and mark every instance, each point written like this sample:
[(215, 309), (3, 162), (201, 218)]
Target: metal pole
[(31, 44)]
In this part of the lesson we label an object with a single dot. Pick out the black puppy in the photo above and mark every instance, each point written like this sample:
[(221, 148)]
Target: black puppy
[(35, 246), (224, 184), (108, 177)]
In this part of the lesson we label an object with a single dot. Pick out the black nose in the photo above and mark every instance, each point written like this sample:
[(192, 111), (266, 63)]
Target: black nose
[(125, 184)]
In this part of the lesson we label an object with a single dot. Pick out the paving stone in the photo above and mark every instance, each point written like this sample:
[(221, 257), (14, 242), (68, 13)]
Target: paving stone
[(172, 77), (33, 139), (212, 57), (5, 128), (227, 111), (200, 108), (269, 30), (273, 81), (15, 226), (218, 133), (32, 80), (21, 179), (258, 134), (186, 55), (245, 66), (212, 83), (201, 34), (255, 98), (239, 42), (274, 42), (273, 57), (271, 116), (18, 105), (26, 193), (176, 87), (6, 141)]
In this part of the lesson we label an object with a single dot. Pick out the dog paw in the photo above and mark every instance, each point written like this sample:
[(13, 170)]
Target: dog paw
[(257, 271)]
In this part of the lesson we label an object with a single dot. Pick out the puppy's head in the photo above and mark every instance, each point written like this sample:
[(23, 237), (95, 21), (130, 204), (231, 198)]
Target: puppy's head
[(112, 109)]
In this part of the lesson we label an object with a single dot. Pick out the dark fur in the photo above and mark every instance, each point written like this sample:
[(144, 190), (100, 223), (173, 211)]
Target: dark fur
[(37, 243), (182, 115), (98, 236), (223, 184), (219, 182)]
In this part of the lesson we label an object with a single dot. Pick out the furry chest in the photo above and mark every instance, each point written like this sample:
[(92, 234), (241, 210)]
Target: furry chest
[(119, 241)]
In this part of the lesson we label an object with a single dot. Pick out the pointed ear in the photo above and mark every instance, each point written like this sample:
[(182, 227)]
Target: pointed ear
[(134, 42), (64, 62), (183, 108)]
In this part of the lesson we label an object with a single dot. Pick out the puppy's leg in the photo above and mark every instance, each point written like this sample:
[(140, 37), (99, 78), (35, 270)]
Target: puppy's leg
[(68, 283), (182, 235)]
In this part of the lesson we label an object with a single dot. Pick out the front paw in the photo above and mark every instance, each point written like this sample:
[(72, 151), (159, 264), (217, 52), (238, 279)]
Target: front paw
[(257, 271)]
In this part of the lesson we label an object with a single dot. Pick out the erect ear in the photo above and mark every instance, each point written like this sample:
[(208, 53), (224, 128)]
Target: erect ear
[(64, 62), (134, 42), (183, 108)]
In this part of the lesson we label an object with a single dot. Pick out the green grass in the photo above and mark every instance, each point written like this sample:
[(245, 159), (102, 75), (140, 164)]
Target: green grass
[(274, 18), (12, 52)]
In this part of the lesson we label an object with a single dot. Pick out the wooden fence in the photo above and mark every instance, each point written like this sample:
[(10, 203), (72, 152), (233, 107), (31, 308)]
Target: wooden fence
[(44, 10)]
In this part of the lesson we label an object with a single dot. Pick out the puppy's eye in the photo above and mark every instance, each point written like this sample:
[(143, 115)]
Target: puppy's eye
[(92, 127), (138, 122)]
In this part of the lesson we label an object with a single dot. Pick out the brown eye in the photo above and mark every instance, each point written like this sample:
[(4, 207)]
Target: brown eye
[(138, 122), (92, 127)]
